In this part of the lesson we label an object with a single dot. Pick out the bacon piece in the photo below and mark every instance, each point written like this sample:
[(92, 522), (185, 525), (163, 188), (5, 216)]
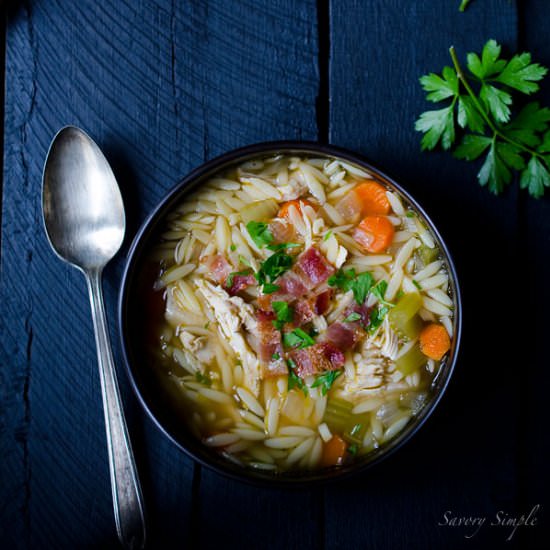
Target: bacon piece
[(303, 312), (290, 287), (282, 231), (240, 282), (349, 207), (269, 344), (218, 267), (343, 335), (317, 359), (313, 268), (322, 302)]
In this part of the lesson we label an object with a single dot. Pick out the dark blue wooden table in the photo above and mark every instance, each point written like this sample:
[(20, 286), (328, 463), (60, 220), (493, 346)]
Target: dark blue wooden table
[(163, 86)]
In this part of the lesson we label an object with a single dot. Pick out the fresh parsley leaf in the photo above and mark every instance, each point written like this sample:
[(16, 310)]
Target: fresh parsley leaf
[(354, 316), (361, 286), (352, 449), (377, 317), (260, 233), (327, 236), (282, 246), (277, 264), (417, 284), (232, 248), (326, 380), (298, 338), (233, 274), (410, 214), (535, 178), (284, 313), (276, 356), (380, 291), (480, 107), (438, 126), (270, 288), (294, 380), (342, 279)]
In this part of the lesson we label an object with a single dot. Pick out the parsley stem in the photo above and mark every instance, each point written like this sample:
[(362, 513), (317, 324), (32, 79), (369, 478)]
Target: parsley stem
[(463, 78)]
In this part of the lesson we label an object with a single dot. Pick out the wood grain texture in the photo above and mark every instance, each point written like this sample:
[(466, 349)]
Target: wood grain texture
[(466, 457)]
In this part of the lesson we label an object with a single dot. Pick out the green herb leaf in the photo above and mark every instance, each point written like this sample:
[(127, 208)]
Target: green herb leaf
[(244, 261), (327, 236), (342, 279), (276, 356), (260, 233), (377, 317), (463, 5), (535, 177), (277, 264), (361, 286), (270, 288), (380, 291), (482, 102), (352, 449), (284, 313), (298, 338), (417, 284), (232, 248), (352, 317), (326, 380), (294, 381)]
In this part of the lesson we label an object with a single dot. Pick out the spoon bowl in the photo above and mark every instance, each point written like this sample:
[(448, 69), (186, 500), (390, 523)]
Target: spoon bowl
[(85, 222), (83, 209)]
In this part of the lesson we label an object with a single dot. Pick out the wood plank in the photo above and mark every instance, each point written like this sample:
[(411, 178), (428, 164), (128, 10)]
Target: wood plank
[(534, 238), (107, 68), (265, 88), (464, 459)]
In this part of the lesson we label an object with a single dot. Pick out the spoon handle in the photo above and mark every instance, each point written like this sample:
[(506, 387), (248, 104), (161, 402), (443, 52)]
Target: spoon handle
[(126, 490)]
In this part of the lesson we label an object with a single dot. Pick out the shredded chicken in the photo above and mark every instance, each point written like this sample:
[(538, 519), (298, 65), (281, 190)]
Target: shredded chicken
[(197, 346), (231, 314), (294, 189)]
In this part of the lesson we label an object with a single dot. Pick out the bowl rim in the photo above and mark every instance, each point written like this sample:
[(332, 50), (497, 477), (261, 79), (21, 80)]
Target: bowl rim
[(206, 457)]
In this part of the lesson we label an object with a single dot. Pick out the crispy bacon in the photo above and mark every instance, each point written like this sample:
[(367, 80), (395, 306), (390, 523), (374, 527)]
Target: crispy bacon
[(343, 335), (313, 268), (290, 287), (317, 359), (322, 301), (303, 312), (270, 348), (218, 267), (240, 282)]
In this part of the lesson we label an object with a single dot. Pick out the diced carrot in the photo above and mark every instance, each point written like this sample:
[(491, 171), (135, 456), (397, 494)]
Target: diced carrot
[(434, 341), (334, 451), (374, 233), (374, 201), (297, 203)]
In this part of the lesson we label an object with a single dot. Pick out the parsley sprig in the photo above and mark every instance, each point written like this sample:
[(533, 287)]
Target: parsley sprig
[(284, 314), (346, 280), (326, 380), (481, 104)]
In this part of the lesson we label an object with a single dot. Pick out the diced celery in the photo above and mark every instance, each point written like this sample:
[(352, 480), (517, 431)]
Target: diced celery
[(410, 361), (338, 415), (427, 254), (259, 211), (402, 316)]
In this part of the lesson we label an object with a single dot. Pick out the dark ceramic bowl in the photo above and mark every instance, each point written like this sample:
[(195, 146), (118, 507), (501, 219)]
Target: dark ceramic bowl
[(130, 317)]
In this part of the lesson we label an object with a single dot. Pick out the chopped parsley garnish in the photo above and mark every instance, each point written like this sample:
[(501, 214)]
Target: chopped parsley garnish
[(298, 338), (342, 279), (354, 316), (260, 233), (377, 317), (203, 378), (277, 264), (232, 248), (352, 450), (379, 290), (348, 280), (326, 380), (284, 313), (276, 356), (269, 288), (282, 246), (410, 214), (233, 274), (294, 381), (327, 236), (417, 284)]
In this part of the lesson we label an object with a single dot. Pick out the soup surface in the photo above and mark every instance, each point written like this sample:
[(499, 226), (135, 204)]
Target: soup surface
[(306, 311)]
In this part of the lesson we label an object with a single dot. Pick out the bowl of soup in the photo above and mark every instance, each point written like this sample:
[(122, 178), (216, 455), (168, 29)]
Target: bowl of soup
[(289, 314)]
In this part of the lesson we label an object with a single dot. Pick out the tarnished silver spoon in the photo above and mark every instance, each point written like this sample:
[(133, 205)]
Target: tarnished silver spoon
[(85, 223)]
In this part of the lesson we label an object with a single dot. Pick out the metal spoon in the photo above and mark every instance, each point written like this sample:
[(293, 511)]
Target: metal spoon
[(85, 223)]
